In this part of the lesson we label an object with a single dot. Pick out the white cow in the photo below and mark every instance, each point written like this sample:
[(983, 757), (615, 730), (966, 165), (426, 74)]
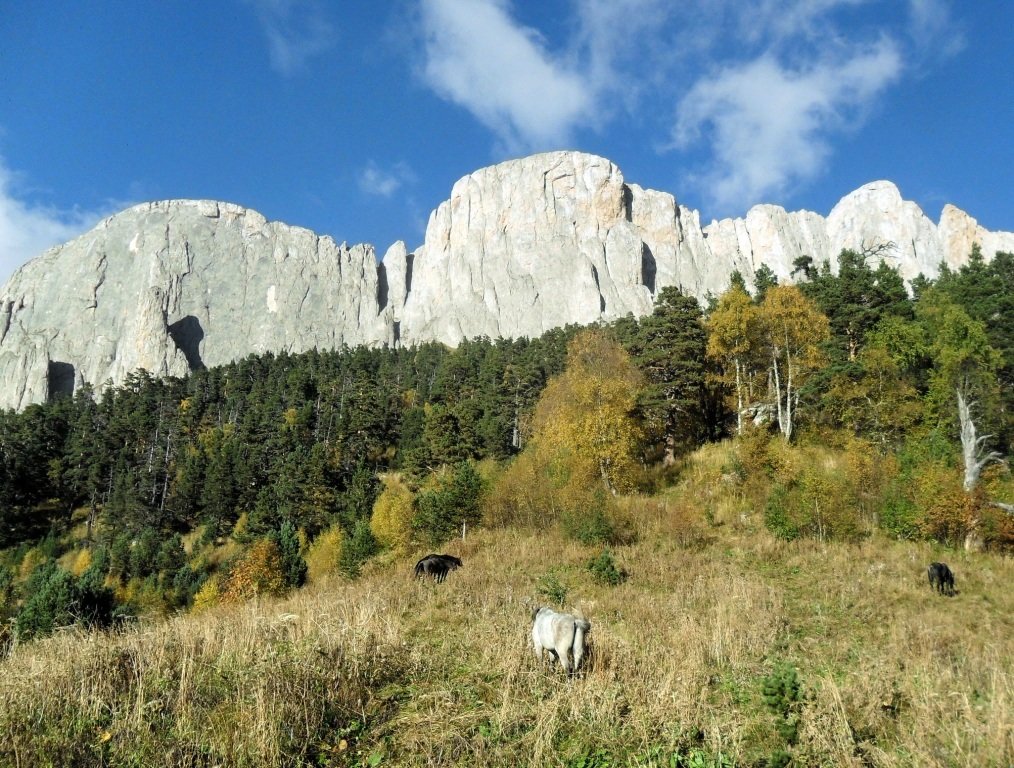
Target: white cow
[(561, 634)]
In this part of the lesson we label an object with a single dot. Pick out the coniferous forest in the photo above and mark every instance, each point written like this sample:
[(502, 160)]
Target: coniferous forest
[(161, 496)]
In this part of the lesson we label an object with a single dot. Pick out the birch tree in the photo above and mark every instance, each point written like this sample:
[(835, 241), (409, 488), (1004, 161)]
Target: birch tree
[(793, 331), (734, 341), (586, 419)]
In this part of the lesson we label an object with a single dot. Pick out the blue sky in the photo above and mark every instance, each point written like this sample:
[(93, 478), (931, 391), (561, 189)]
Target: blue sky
[(354, 118)]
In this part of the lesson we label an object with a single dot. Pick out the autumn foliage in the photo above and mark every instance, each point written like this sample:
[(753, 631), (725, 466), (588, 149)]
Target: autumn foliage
[(584, 424), (258, 572), (391, 521), (584, 444)]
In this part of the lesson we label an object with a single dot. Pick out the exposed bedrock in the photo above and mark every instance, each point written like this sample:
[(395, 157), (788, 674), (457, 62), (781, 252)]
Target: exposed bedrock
[(519, 248)]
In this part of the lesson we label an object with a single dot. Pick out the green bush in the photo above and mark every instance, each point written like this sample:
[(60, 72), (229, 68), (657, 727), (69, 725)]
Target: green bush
[(821, 503), (56, 599), (6, 590), (293, 564), (604, 571), (357, 549), (552, 588), (587, 519), (776, 514), (899, 516), (50, 592), (456, 499), (781, 693)]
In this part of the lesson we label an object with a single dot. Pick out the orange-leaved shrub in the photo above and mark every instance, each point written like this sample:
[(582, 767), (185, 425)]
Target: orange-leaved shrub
[(945, 511), (996, 524), (258, 572)]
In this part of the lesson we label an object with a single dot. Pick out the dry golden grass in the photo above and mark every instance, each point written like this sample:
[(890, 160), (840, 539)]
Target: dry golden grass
[(415, 673)]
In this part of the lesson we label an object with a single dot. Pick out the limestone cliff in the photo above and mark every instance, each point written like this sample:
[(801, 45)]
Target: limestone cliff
[(519, 248), (174, 285)]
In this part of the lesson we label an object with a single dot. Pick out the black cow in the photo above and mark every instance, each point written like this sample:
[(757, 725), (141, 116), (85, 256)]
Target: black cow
[(437, 566), (941, 578)]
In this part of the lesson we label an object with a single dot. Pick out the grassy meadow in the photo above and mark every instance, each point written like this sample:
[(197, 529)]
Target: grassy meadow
[(712, 616)]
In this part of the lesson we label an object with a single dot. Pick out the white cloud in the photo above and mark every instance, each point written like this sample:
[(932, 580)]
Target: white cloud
[(296, 31), (768, 126), (933, 30), (615, 37), (375, 181), (772, 22), (26, 230), (478, 57)]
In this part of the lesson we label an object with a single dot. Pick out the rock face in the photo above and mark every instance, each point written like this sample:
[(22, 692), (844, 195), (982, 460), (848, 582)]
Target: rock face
[(519, 248), (171, 286)]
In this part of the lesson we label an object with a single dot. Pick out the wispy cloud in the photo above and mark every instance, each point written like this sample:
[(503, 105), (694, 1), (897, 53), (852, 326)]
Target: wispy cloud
[(374, 180), (28, 229), (480, 58), (933, 30), (295, 30), (777, 22), (769, 126)]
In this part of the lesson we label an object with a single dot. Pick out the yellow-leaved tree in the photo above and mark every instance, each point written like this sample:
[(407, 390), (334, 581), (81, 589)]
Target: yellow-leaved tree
[(391, 521), (324, 553), (584, 423), (793, 330), (583, 448), (734, 341)]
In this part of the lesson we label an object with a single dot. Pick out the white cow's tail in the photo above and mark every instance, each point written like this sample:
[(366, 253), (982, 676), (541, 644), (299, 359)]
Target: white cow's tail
[(580, 627)]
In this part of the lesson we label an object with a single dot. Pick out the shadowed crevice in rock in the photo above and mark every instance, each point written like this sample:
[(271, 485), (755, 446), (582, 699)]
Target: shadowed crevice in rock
[(60, 379), (187, 335), (409, 260), (382, 288), (598, 287), (648, 268), (628, 203), (396, 332)]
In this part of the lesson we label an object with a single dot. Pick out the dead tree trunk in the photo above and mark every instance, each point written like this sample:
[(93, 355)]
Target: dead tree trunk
[(973, 450)]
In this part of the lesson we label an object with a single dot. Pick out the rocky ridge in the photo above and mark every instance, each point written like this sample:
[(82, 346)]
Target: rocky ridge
[(517, 249)]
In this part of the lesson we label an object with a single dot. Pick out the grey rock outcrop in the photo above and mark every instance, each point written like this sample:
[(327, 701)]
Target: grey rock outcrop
[(175, 285), (519, 248), (525, 246)]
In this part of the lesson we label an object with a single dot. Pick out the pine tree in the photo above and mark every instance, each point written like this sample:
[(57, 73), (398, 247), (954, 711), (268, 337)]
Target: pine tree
[(293, 565), (670, 348)]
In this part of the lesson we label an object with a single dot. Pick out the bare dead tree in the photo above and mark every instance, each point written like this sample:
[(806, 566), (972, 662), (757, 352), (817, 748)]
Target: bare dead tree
[(877, 249), (973, 445)]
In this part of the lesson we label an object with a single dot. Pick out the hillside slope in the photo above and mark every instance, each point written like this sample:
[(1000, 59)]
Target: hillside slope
[(391, 671)]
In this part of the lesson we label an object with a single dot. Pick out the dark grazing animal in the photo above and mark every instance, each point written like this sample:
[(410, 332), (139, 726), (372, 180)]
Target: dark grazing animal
[(561, 634), (437, 566), (941, 578)]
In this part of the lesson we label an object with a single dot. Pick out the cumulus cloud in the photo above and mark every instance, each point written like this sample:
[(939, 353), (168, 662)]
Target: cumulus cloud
[(768, 125), (480, 58), (373, 180), (758, 90), (26, 229), (296, 31)]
